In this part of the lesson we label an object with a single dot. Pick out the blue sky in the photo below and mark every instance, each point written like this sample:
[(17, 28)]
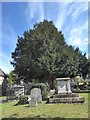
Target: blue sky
[(69, 17)]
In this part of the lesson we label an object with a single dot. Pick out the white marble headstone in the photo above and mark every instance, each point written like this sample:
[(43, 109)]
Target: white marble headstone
[(33, 103), (52, 92), (36, 94), (63, 85)]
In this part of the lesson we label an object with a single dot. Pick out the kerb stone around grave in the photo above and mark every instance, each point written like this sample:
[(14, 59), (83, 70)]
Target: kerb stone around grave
[(36, 94)]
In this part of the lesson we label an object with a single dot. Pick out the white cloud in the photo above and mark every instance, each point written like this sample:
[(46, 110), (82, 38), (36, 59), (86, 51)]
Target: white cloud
[(6, 69), (5, 63), (81, 43), (61, 15), (79, 31), (77, 42), (33, 10), (71, 9), (78, 8), (9, 39), (78, 37)]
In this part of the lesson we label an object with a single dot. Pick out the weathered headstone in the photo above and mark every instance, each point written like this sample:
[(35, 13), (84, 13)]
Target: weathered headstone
[(52, 92), (36, 94), (18, 90), (14, 91), (63, 85), (33, 103)]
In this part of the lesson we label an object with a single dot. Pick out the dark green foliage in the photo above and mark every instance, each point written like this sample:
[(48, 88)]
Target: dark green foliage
[(44, 89), (11, 77), (84, 66), (42, 54), (88, 83), (23, 100), (4, 87)]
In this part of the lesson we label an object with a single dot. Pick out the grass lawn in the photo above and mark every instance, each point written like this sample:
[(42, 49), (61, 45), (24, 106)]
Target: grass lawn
[(46, 110)]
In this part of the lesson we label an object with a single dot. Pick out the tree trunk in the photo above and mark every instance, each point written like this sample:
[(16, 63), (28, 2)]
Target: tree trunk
[(51, 81)]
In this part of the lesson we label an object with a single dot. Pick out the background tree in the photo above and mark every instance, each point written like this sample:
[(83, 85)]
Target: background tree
[(83, 67), (43, 54), (11, 77)]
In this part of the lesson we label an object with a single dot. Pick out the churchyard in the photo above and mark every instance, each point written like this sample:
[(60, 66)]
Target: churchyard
[(61, 104), (46, 110), (50, 79)]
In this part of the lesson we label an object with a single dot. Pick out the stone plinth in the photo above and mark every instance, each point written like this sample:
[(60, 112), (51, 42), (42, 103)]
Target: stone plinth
[(63, 85), (64, 93), (66, 98)]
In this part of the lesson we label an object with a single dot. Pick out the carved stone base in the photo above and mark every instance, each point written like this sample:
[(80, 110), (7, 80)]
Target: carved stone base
[(65, 98)]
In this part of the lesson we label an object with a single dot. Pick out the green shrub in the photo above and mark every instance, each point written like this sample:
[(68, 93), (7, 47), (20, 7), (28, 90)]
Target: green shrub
[(88, 83), (23, 100), (44, 89)]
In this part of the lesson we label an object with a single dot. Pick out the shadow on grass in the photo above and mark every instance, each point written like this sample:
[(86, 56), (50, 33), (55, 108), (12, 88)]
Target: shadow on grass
[(38, 118)]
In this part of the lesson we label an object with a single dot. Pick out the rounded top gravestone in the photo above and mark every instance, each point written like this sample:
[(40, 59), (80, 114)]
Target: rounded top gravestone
[(36, 94)]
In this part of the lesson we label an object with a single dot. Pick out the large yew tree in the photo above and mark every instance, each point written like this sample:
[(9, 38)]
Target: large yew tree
[(42, 54)]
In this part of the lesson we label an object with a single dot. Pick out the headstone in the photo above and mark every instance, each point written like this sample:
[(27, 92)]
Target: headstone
[(36, 94), (21, 82), (64, 93), (18, 90), (33, 103), (73, 85), (52, 92), (14, 91), (63, 85)]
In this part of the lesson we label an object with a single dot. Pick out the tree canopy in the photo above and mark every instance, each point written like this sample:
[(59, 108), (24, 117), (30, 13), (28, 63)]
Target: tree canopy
[(43, 54)]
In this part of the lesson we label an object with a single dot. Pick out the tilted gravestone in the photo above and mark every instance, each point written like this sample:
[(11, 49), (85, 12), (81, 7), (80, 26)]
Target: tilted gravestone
[(36, 94)]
